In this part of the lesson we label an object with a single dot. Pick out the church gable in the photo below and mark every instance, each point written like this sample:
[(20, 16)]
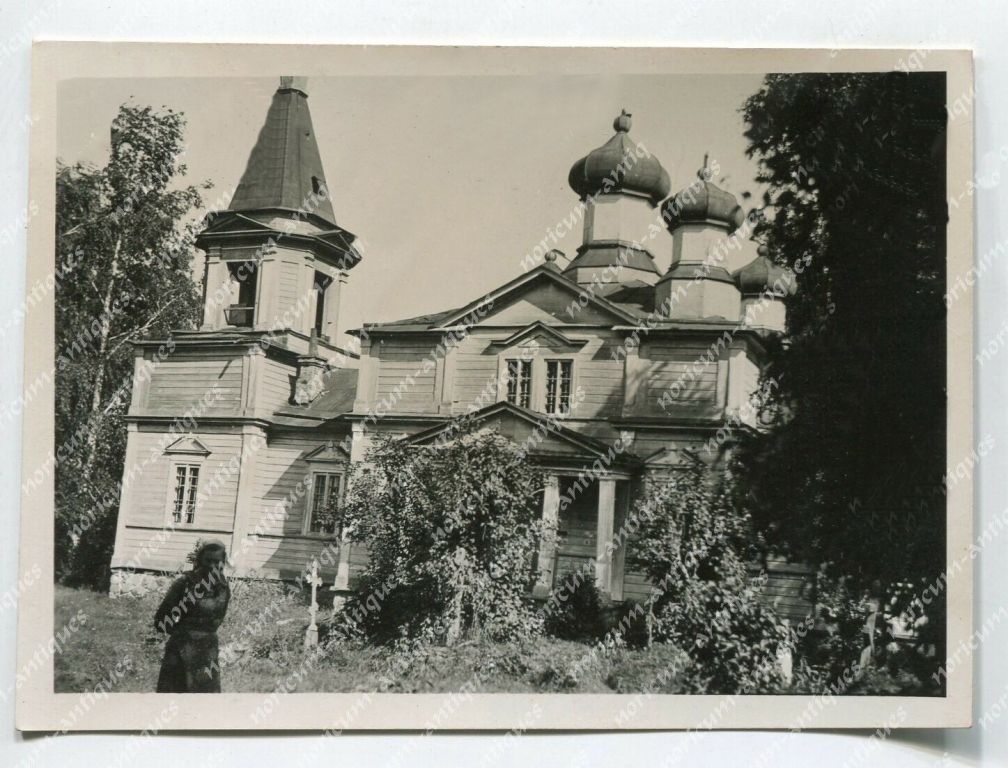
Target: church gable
[(541, 296), (546, 303)]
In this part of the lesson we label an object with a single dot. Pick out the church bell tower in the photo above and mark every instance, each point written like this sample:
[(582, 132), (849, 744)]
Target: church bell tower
[(276, 260)]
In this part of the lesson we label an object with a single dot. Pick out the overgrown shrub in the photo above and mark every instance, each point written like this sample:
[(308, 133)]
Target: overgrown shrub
[(576, 613), (452, 530), (694, 545)]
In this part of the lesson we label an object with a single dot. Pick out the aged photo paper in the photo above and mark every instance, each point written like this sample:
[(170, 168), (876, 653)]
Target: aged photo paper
[(502, 389)]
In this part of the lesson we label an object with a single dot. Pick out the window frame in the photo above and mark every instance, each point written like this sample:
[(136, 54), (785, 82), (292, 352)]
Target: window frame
[(537, 380), (521, 365), (560, 360), (188, 463), (309, 511)]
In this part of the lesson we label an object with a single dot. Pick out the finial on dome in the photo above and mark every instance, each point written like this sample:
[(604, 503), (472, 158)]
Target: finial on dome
[(294, 83), (622, 123), (762, 250), (705, 172)]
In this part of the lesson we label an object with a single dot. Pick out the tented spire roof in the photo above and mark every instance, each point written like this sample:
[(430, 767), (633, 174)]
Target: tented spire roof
[(285, 169)]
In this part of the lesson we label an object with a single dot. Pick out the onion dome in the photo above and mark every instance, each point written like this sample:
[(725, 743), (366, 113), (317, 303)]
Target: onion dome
[(703, 202), (618, 167), (761, 275)]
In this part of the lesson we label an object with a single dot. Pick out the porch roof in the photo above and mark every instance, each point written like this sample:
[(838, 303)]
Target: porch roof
[(543, 437)]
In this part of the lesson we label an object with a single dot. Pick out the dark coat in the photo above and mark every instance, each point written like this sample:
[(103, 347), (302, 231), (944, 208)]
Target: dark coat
[(190, 614)]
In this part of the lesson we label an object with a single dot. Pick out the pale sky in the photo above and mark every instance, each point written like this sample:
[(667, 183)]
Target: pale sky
[(447, 181)]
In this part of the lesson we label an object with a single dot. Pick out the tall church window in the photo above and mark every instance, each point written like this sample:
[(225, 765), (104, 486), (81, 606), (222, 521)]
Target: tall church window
[(184, 497), (320, 288), (559, 376), (519, 382), (324, 506)]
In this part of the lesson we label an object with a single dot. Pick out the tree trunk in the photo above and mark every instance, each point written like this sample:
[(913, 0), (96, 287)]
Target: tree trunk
[(94, 414)]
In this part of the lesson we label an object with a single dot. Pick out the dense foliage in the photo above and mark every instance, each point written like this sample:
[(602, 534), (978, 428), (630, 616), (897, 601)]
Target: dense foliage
[(853, 478), (452, 531), (695, 547), (123, 271), (576, 613)]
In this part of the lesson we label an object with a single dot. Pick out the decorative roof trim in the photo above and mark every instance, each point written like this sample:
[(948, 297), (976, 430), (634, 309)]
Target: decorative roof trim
[(188, 445), (547, 271), (536, 328), (327, 453), (554, 426)]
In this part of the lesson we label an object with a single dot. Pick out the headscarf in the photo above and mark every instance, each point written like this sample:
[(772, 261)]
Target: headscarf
[(210, 546)]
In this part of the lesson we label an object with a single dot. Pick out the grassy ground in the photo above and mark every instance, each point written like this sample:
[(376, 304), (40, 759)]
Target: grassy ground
[(262, 649)]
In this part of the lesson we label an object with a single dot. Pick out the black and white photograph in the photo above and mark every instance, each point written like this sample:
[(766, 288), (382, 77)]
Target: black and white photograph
[(624, 397)]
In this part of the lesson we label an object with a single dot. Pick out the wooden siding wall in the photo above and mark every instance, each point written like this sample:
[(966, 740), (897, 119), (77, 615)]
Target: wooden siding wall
[(149, 485), (274, 384), (276, 546), (184, 381), (289, 288), (681, 371), (405, 381)]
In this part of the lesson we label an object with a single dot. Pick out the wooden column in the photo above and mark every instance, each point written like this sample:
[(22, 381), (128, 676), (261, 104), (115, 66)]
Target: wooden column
[(253, 441), (604, 535), (619, 556), (547, 546), (342, 581), (334, 295), (216, 293), (634, 381)]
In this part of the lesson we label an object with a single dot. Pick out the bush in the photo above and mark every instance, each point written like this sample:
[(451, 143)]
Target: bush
[(694, 545), (575, 614), (452, 530)]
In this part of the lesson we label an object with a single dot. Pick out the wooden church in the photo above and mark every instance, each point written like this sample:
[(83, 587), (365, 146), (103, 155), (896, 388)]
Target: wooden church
[(604, 367)]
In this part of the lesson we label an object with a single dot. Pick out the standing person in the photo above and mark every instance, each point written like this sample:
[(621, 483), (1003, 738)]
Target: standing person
[(190, 614)]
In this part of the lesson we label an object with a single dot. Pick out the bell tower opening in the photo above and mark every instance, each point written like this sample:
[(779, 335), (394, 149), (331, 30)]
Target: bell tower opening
[(241, 312)]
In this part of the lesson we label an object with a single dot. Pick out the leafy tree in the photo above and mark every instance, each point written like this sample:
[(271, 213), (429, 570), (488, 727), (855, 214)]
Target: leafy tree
[(124, 249), (695, 547), (852, 478), (451, 530)]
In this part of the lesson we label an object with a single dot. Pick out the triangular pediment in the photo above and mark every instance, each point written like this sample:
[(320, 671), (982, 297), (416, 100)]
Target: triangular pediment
[(543, 296), (541, 335), (328, 453), (538, 434), (188, 445)]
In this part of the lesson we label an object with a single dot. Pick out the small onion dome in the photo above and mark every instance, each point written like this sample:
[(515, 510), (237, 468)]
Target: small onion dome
[(703, 201), (619, 167), (761, 275)]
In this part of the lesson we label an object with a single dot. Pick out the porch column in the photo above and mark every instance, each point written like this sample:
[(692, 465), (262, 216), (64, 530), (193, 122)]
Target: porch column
[(604, 535), (547, 545)]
